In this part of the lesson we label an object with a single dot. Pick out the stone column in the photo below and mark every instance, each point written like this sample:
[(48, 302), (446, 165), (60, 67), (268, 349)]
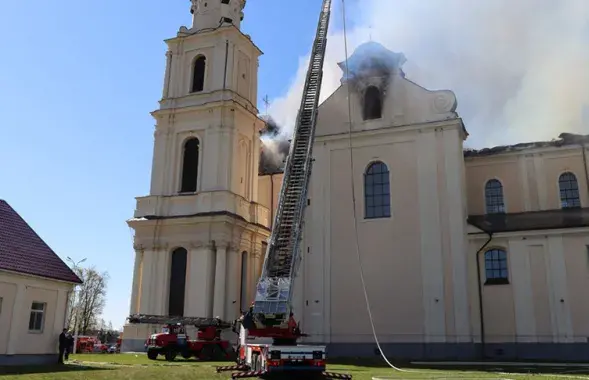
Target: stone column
[(167, 74), (147, 279), (18, 319), (220, 278), (133, 307), (199, 280), (233, 283), (256, 261)]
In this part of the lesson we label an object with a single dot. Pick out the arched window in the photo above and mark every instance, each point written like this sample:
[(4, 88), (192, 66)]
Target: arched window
[(243, 298), (569, 191), (372, 104), (177, 283), (496, 267), (198, 74), (494, 197), (377, 191), (190, 166)]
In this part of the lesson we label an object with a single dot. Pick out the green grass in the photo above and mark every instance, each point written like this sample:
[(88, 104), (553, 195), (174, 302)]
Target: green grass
[(130, 366)]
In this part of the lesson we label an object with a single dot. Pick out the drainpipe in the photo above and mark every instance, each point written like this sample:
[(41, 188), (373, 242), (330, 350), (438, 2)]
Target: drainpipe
[(480, 291), (583, 146), (271, 201)]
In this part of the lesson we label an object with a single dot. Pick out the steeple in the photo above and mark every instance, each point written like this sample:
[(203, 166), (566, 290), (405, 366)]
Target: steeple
[(210, 14)]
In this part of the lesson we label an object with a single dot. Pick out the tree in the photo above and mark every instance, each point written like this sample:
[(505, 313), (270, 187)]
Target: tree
[(89, 301)]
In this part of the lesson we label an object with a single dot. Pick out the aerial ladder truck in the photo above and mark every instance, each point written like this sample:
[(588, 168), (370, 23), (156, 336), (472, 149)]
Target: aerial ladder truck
[(268, 333), (271, 316)]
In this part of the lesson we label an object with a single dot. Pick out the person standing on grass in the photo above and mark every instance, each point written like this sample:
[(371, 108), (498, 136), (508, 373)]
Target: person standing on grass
[(70, 345), (63, 343)]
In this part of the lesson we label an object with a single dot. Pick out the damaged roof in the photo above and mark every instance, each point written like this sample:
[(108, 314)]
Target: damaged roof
[(532, 220), (564, 139), (23, 251)]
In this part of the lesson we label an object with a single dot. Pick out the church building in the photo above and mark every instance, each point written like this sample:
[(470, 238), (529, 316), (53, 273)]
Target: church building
[(465, 253)]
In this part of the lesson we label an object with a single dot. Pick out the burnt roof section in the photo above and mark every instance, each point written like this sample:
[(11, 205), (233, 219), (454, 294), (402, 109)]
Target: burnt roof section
[(272, 160), (23, 251), (531, 221), (564, 139)]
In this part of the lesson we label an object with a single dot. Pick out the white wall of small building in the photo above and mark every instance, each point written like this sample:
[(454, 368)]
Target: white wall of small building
[(17, 294)]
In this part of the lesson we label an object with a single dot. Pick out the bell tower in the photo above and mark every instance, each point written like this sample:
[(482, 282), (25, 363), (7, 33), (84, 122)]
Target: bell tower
[(199, 232), (209, 14)]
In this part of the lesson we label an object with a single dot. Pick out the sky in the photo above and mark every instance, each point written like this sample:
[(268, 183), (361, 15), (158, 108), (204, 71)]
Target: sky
[(78, 80)]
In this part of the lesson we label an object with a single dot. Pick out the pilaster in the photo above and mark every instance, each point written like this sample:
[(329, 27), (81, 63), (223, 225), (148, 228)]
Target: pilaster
[(148, 282), (16, 322), (133, 308), (59, 316), (220, 285), (233, 283), (199, 275), (430, 232)]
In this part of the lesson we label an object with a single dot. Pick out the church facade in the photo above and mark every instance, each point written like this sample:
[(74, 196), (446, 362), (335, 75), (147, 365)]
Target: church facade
[(464, 253)]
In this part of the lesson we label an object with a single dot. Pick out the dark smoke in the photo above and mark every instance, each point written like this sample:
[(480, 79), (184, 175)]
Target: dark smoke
[(275, 148)]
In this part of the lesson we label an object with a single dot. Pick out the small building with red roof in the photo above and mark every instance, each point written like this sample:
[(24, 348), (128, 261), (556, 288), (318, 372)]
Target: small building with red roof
[(35, 285)]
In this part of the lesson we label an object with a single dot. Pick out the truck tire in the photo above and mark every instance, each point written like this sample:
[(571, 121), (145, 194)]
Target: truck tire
[(171, 355), (186, 354), (152, 354)]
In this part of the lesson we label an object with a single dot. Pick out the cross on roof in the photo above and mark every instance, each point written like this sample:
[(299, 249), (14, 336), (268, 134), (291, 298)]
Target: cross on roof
[(266, 101)]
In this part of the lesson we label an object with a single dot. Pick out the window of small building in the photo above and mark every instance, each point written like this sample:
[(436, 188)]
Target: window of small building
[(198, 74), (569, 191), (37, 317), (494, 201), (372, 103), (377, 191), (190, 166), (496, 267)]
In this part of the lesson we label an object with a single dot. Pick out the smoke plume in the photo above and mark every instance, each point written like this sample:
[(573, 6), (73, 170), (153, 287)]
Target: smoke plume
[(520, 69), (275, 147)]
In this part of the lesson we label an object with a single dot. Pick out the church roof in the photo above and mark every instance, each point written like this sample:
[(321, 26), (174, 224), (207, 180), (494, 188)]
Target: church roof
[(23, 251), (371, 55), (564, 139), (531, 221)]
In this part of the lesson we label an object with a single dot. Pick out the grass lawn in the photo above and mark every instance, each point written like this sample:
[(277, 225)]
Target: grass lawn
[(130, 366)]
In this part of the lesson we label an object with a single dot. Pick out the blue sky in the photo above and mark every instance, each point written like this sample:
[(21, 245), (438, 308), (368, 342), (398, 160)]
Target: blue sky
[(77, 82)]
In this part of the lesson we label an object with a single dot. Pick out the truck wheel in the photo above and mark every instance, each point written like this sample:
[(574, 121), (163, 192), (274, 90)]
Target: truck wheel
[(186, 354), (171, 355), (152, 354)]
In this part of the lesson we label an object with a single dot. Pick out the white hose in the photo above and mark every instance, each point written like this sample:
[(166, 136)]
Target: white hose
[(354, 202)]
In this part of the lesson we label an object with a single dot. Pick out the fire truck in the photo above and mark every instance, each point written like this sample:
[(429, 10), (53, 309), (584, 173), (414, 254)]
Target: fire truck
[(174, 341), (268, 332)]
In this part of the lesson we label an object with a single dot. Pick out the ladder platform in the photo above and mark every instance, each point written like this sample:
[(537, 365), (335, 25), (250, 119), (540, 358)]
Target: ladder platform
[(232, 368)]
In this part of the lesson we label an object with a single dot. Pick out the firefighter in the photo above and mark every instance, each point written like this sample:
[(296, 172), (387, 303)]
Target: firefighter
[(292, 324)]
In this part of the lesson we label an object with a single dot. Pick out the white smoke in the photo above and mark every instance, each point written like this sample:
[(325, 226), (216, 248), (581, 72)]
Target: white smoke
[(520, 69)]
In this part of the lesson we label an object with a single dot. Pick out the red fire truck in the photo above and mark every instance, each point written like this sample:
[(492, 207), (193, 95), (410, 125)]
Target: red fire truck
[(174, 341)]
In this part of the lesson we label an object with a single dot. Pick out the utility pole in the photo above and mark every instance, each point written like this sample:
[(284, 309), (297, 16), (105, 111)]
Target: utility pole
[(74, 308)]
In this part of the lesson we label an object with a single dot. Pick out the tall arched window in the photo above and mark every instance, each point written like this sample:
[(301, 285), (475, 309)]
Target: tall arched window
[(496, 267), (177, 282), (377, 191), (494, 201), (198, 74), (190, 166), (569, 191), (372, 103), (243, 298)]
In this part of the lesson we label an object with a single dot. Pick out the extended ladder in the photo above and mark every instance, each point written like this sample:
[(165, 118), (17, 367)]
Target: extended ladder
[(186, 321), (274, 291)]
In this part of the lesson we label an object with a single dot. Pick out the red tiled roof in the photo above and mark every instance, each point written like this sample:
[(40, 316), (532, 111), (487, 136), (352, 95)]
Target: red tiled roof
[(23, 251)]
